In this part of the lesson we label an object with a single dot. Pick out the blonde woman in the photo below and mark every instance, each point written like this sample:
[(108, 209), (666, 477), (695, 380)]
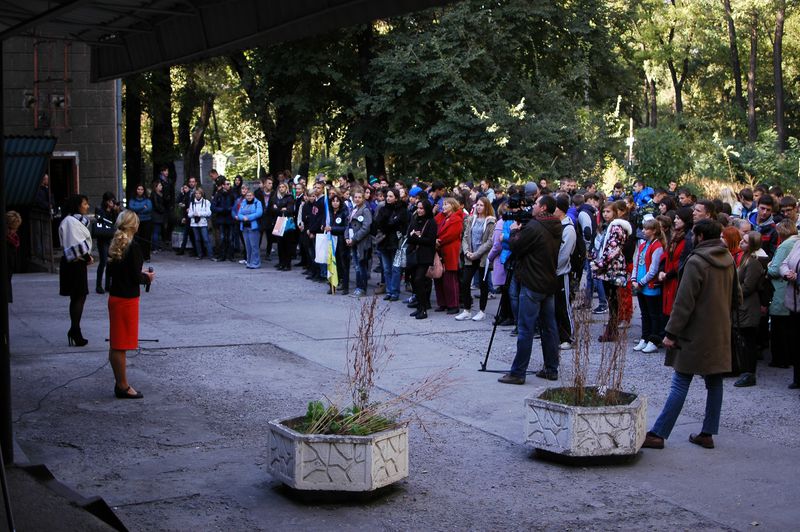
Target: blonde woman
[(125, 262)]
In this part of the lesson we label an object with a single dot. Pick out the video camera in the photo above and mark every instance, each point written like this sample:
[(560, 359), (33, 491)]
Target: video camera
[(518, 210)]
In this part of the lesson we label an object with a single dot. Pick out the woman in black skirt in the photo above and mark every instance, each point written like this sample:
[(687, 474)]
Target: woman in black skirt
[(422, 232), (76, 239)]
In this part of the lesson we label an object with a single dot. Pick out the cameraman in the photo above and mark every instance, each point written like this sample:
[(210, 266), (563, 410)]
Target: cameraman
[(536, 250)]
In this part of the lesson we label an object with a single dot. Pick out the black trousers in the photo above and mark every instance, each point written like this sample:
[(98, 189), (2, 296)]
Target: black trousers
[(422, 286), (343, 256), (563, 309), (781, 337), (467, 273), (750, 356), (286, 245), (225, 247)]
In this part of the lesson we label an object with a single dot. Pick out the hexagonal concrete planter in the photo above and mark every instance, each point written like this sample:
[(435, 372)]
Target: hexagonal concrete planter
[(581, 431), (336, 462)]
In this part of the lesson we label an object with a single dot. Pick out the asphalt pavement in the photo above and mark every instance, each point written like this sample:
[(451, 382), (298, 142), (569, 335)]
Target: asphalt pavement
[(224, 350)]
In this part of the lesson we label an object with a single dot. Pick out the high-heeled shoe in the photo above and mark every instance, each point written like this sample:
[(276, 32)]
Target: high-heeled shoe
[(75, 338), (123, 394)]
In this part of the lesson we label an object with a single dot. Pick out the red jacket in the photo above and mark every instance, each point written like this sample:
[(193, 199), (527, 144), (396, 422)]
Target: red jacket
[(450, 229)]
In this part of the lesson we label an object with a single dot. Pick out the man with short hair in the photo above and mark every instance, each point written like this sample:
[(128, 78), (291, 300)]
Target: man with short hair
[(748, 203), (684, 198), (535, 249), (641, 193), (618, 193), (563, 270), (698, 334), (703, 210), (221, 206), (789, 210), (763, 222), (436, 196)]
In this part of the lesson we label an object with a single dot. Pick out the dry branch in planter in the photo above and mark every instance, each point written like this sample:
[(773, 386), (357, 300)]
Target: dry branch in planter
[(367, 355)]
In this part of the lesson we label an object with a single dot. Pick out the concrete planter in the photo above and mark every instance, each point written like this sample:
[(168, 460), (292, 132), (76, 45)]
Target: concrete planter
[(336, 462), (585, 431)]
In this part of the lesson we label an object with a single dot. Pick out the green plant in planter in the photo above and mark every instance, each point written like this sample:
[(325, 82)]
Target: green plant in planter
[(367, 355)]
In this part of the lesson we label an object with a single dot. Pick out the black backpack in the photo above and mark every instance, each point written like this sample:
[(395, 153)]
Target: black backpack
[(577, 260)]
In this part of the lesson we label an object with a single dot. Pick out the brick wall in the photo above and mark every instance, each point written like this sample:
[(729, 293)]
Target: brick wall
[(91, 130)]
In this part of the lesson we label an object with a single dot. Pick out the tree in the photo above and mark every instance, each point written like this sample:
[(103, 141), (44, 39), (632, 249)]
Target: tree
[(777, 66), (736, 69), (159, 102), (133, 133), (752, 125)]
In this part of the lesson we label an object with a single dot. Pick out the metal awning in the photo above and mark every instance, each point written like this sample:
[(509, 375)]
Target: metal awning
[(129, 36), (25, 162)]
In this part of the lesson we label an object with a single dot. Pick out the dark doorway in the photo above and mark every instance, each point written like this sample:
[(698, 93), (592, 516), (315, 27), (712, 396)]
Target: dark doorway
[(63, 184)]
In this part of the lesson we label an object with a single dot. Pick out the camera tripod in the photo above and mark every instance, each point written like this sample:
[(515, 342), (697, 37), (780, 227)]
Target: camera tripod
[(509, 267)]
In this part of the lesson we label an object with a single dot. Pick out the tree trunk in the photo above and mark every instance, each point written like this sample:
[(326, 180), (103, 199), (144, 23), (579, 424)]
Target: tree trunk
[(736, 68), (677, 83), (371, 140), (280, 144), (646, 101), (777, 65), (162, 137), (133, 134), (752, 125), (191, 157), (305, 153), (653, 104)]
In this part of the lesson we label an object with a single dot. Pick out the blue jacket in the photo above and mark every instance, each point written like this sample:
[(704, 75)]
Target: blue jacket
[(643, 197), (142, 207), (251, 211)]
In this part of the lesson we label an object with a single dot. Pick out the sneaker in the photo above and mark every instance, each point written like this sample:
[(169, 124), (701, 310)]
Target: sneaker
[(641, 345), (650, 348), (480, 316), (357, 293), (464, 315), (410, 300), (600, 309), (564, 346), (508, 378), (243, 261)]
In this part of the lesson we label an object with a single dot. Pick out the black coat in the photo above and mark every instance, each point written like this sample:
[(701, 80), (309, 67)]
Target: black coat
[(339, 222), (283, 206), (222, 206), (535, 248), (390, 220), (422, 248)]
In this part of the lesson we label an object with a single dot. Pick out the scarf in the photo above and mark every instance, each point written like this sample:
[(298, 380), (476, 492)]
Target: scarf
[(13, 239), (76, 239)]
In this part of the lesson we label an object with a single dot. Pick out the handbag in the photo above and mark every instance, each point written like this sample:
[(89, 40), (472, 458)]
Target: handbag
[(435, 270), (400, 258), (101, 228), (280, 226), (290, 225)]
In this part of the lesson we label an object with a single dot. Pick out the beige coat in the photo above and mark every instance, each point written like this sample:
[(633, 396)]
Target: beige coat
[(701, 315), (486, 239)]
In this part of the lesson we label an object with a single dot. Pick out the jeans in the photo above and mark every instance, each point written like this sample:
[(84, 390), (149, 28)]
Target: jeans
[(225, 249), (102, 250), (593, 284), (201, 234), (361, 265), (157, 235), (513, 298), (677, 395), (535, 307), (390, 273), (251, 244)]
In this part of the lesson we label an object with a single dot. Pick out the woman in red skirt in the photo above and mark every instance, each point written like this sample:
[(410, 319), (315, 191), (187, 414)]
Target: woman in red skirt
[(125, 269)]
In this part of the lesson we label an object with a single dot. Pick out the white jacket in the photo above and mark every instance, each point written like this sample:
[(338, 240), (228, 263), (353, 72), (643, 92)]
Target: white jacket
[(200, 209)]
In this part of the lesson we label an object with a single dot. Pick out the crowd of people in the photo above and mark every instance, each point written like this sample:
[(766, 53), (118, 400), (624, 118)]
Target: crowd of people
[(545, 250)]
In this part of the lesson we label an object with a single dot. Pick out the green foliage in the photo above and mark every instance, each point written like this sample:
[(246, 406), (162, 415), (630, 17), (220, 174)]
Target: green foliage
[(663, 154), (353, 420)]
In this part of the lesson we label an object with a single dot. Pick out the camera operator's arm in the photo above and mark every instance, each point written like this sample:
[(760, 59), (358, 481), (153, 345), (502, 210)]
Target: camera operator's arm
[(523, 240)]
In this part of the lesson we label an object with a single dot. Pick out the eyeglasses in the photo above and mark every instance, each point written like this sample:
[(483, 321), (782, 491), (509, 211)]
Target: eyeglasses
[(787, 209)]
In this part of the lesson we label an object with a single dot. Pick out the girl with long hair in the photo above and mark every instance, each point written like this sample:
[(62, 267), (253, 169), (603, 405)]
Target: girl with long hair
[(125, 262), (748, 315), (475, 245)]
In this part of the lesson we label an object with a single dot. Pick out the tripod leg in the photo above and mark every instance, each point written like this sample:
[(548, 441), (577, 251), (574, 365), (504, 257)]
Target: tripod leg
[(494, 328), (6, 497)]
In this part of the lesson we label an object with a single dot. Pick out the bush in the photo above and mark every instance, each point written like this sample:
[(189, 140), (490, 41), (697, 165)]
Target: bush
[(662, 155)]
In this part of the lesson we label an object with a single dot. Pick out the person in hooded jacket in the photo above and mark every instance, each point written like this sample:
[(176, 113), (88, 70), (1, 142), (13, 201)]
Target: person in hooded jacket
[(450, 225), (536, 250), (610, 265), (249, 216), (392, 222), (698, 334)]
